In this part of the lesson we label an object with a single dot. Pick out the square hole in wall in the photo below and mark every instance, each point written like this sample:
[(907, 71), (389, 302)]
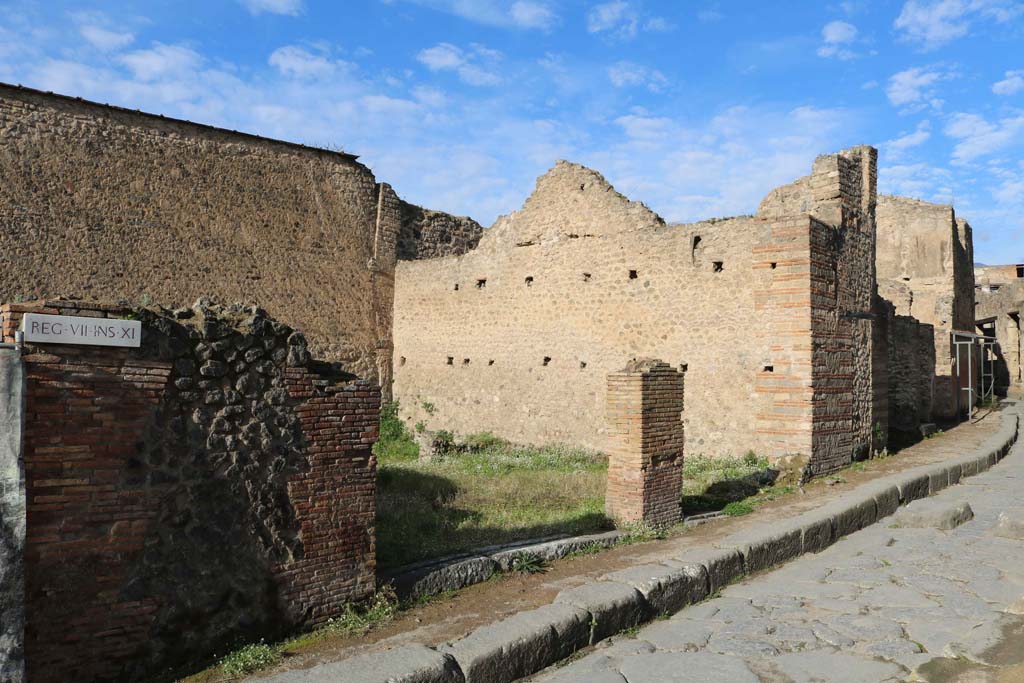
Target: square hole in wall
[(451, 360), (586, 277), (717, 266), (633, 275), (490, 362), (401, 361), (774, 265), (583, 365), (456, 286), (683, 367), (481, 283), (768, 368), (547, 359), (465, 361), (529, 280)]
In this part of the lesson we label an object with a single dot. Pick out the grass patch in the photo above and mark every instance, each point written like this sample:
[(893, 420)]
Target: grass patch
[(356, 620), (711, 484), (738, 508), (485, 491), (250, 659)]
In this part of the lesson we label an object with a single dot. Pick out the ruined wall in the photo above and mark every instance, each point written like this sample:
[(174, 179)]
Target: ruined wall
[(429, 234), (104, 203), (517, 336), (906, 351), (215, 484), (925, 268), (992, 278), (1005, 308)]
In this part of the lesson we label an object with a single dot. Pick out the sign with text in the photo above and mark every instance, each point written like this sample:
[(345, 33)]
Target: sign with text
[(70, 329)]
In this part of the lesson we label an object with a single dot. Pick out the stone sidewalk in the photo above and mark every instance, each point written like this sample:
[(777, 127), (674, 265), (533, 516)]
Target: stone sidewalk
[(904, 599), (524, 643)]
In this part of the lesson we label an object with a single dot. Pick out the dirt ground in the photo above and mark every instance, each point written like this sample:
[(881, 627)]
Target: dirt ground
[(454, 616)]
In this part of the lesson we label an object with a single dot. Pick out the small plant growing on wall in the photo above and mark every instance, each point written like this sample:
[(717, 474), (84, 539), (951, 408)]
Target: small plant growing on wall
[(428, 407)]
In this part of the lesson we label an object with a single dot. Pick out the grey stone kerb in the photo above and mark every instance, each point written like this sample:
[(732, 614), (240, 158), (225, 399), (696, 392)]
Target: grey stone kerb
[(12, 518)]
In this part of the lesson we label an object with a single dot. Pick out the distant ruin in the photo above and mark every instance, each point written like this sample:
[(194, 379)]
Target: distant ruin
[(925, 259), (765, 315)]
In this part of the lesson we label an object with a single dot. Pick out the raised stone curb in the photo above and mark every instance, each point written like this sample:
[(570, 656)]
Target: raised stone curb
[(521, 644), (613, 606), (530, 641), (452, 573), (404, 664), (665, 589)]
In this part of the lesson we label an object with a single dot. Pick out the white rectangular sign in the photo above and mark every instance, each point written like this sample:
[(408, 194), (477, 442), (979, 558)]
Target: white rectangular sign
[(70, 329)]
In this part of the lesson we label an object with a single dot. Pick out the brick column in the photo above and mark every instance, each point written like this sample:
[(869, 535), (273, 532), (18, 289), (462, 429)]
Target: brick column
[(645, 427)]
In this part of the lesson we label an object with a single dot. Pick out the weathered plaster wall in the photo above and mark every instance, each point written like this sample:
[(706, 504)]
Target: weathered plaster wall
[(994, 277), (925, 268), (104, 203), (517, 336), (215, 484)]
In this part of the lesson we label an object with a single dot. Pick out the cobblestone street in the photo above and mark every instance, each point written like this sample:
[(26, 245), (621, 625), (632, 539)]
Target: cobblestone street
[(885, 604)]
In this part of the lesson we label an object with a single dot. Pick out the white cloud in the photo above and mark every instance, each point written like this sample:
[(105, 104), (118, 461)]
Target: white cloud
[(466, 63), (161, 61), (921, 181), (1011, 85), (895, 149), (298, 62), (620, 20), (532, 15), (106, 40), (837, 35), (526, 14), (933, 23), (979, 137), (913, 88), (625, 74), (289, 7)]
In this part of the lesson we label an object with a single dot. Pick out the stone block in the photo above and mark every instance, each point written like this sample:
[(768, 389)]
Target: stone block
[(613, 607), (817, 530), (666, 589), (953, 473), (437, 577), (723, 565), (853, 512), (887, 498), (403, 664), (554, 549), (764, 547), (522, 644), (933, 514), (912, 485), (938, 479)]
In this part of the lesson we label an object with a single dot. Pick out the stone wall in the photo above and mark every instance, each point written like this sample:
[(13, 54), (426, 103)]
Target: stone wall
[(12, 518), (105, 203), (991, 278), (925, 268), (429, 234), (1004, 308), (517, 335), (215, 484), (908, 352)]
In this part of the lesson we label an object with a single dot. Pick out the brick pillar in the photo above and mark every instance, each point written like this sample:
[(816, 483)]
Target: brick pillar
[(645, 427)]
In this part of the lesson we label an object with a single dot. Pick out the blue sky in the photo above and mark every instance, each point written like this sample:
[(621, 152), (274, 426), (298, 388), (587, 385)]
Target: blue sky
[(696, 108)]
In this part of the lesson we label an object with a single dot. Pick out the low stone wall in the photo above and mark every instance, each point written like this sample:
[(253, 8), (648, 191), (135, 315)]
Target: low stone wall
[(213, 485)]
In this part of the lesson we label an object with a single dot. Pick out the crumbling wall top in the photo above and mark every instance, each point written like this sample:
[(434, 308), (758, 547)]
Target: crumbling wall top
[(569, 201)]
